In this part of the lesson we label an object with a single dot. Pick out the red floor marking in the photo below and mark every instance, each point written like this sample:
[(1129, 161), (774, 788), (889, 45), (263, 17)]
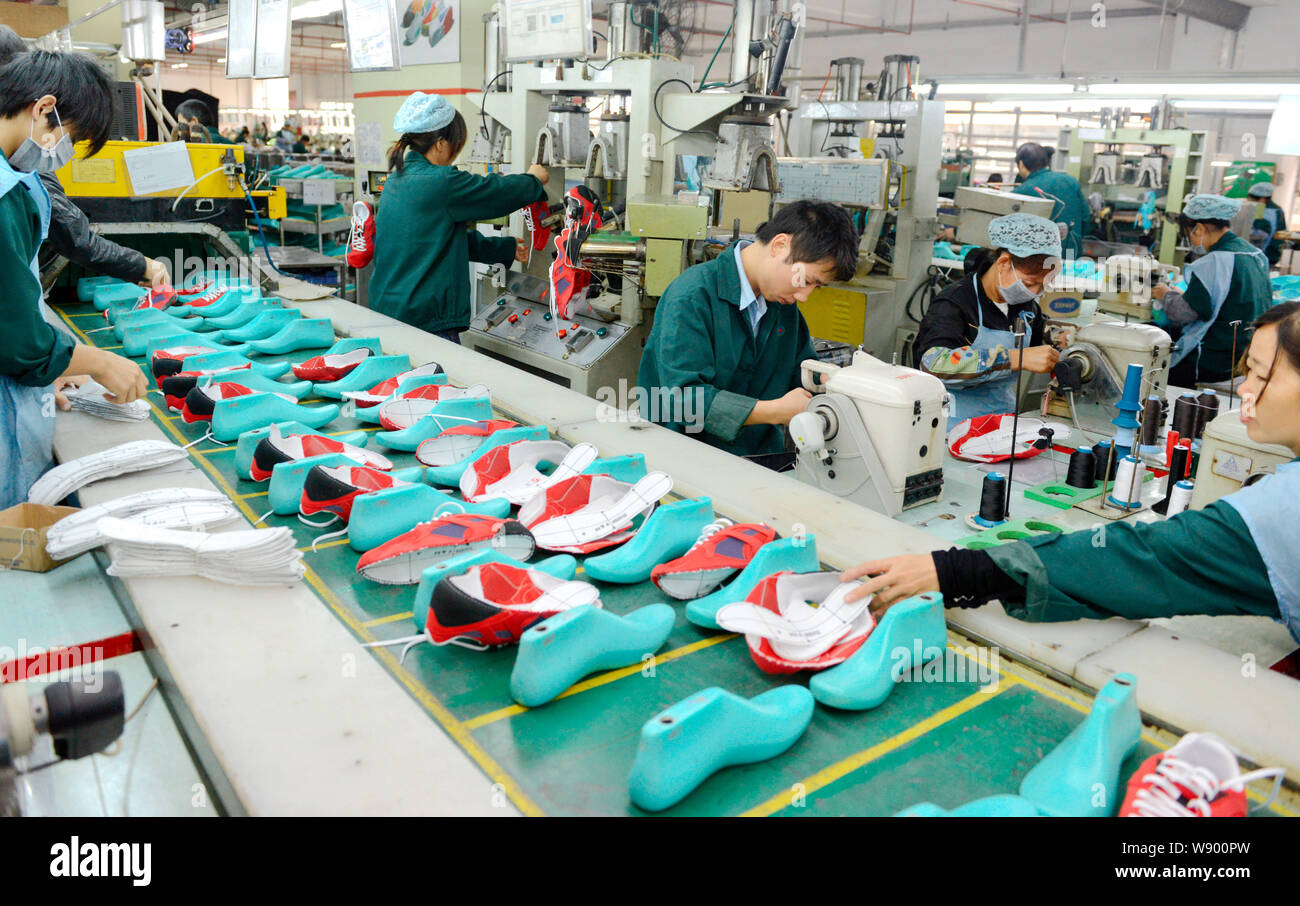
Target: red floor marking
[(62, 658)]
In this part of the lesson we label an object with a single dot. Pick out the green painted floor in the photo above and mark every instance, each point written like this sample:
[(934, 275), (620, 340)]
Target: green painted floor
[(946, 742)]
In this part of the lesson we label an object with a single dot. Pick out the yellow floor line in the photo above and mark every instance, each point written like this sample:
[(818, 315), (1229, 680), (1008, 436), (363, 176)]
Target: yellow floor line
[(328, 544), (829, 775), (253, 494), (110, 347), (395, 618), (601, 679), (513, 790)]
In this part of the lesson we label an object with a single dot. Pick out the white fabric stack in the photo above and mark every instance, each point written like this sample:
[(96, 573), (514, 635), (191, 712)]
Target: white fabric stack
[(253, 557), (178, 508), (133, 456), (89, 398)]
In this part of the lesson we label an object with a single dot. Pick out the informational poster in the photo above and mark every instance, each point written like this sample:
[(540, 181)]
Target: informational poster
[(158, 168), (370, 27), (546, 29), (429, 31), (241, 37), (370, 144), (272, 49)]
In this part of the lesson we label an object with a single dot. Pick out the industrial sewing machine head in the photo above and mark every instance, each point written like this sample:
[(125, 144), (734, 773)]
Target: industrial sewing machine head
[(1091, 370), (873, 433)]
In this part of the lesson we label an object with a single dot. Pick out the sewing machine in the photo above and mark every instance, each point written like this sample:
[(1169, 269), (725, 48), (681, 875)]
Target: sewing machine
[(1093, 366), (872, 433), (1230, 460)]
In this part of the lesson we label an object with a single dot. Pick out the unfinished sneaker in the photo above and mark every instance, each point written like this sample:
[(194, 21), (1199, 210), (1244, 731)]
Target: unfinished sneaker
[(722, 550), (169, 361), (175, 387), (492, 604), (361, 242), (401, 560), (332, 489), (201, 401), (459, 441), (405, 410), (1197, 778), (276, 448), (800, 621), (364, 399), (325, 369)]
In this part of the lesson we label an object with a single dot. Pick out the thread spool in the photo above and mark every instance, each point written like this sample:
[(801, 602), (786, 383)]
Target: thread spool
[(1128, 484), (1151, 421), (1207, 408), (1184, 421), (1082, 472), (993, 499), (1179, 500), (1101, 453)]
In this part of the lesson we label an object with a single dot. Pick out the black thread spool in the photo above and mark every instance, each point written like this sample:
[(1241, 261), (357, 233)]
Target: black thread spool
[(1185, 408), (1101, 453), (993, 498), (1082, 472), (1206, 410), (1151, 418), (1177, 468)]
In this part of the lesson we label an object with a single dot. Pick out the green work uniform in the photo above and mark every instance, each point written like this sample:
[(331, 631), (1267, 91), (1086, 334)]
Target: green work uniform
[(423, 247), (32, 352), (1249, 295), (1273, 248), (1069, 206), (703, 368), (1200, 562)]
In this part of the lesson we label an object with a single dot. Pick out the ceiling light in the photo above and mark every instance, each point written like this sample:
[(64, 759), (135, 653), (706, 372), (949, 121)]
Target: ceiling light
[(314, 9), (339, 45), (180, 66), (207, 37)]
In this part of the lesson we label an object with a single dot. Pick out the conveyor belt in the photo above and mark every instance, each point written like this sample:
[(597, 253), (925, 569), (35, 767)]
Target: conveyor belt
[(948, 742)]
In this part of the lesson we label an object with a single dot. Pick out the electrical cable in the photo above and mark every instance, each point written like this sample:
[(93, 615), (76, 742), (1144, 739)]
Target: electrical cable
[(195, 183), (662, 122), (483, 113), (266, 247), (715, 54)]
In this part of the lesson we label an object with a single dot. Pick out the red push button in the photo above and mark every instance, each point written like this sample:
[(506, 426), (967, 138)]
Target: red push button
[(561, 333), (513, 318), (528, 311)]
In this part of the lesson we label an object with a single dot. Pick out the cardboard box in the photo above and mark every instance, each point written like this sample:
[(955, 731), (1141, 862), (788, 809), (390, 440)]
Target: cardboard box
[(22, 535), (31, 20)]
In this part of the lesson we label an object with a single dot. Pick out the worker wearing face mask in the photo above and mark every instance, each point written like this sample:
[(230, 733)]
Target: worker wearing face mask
[(1228, 282), (968, 336)]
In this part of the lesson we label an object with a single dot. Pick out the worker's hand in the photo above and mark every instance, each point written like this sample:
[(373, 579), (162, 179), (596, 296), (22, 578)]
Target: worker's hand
[(543, 175), (155, 273), (947, 234), (64, 383), (121, 377), (893, 579), (1159, 290), (1040, 359), (779, 411), (521, 251)]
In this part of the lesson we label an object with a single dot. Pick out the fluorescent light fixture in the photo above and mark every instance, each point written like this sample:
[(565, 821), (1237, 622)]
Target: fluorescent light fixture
[(948, 89), (207, 37), (1220, 163), (221, 59), (314, 9), (1213, 105), (180, 66), (1194, 89), (339, 45)]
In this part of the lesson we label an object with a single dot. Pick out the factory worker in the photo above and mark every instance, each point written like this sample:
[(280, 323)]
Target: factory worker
[(424, 233), (722, 360), (1033, 163), (1264, 229), (967, 337), (70, 234), (1236, 556), (1229, 282), (50, 100)]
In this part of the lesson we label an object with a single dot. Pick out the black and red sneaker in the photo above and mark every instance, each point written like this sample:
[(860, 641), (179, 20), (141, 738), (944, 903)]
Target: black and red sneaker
[(401, 560), (170, 361), (201, 401), (276, 448), (332, 489), (493, 603), (176, 387), (568, 279), (1197, 778), (722, 550)]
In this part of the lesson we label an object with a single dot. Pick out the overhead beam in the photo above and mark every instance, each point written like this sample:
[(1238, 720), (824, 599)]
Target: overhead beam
[(1224, 13)]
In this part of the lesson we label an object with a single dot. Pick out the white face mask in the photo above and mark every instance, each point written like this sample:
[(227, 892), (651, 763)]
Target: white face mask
[(1017, 293), (32, 156)]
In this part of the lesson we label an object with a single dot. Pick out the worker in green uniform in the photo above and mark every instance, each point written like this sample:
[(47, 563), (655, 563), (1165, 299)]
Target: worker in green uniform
[(49, 100), (424, 232), (1228, 283), (1264, 229), (722, 362), (1237, 556), (1063, 190)]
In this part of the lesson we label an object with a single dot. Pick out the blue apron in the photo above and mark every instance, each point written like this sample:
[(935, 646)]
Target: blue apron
[(26, 413), (1215, 273), (996, 395), (1268, 509)]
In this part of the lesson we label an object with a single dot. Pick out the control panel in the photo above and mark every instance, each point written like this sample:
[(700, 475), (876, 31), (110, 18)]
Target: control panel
[(579, 341)]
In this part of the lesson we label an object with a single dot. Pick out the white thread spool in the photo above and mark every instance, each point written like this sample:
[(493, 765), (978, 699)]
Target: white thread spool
[(1180, 498), (1128, 484)]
